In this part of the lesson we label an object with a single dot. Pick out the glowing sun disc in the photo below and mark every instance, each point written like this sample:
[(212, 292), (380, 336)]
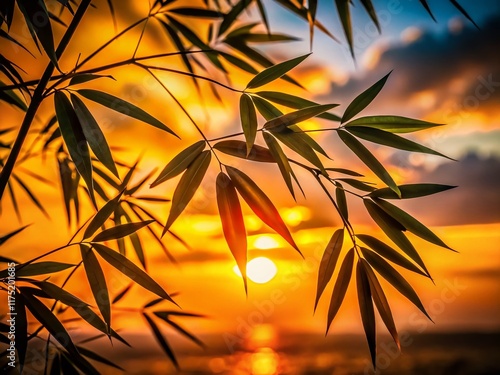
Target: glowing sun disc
[(260, 270)]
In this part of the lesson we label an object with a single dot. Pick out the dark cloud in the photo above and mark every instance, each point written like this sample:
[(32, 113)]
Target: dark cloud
[(476, 200)]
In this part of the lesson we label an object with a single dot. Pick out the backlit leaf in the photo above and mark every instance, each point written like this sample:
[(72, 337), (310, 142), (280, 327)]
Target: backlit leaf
[(274, 72), (366, 309), (232, 222), (298, 116), (367, 157), (232, 15), (340, 288), (328, 262), (130, 270), (363, 99), (238, 149), (393, 124), (188, 184), (102, 215), (180, 162), (341, 201), (248, 118), (260, 204), (411, 191), (120, 231), (124, 107)]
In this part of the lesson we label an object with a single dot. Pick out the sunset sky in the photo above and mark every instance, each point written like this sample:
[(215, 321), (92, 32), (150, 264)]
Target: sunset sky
[(445, 72)]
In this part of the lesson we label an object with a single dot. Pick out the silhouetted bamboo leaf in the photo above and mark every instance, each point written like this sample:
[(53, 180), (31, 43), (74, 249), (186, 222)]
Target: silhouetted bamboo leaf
[(328, 262), (370, 161), (97, 283), (74, 138), (240, 63), (87, 77), (161, 340), (94, 135), (232, 15), (39, 268), (9, 235), (260, 204), (393, 124), (60, 294), (120, 231), (341, 200), (196, 12), (396, 280), (365, 98), (238, 149), (130, 270), (233, 225), (96, 357), (388, 253), (428, 9), (292, 101), (340, 287), (464, 12), (124, 107), (188, 184), (122, 293), (366, 309), (411, 191), (11, 97), (410, 223), (385, 138), (95, 321), (274, 72), (371, 11), (248, 120), (102, 215)]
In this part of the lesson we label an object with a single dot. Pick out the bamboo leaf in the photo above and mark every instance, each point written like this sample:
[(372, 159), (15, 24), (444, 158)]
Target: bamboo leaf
[(385, 138), (60, 294), (260, 204), (392, 229), (274, 72), (363, 99), (35, 269), (360, 185), (180, 162), (87, 77), (9, 235), (97, 283), (72, 133), (94, 135), (281, 160), (96, 357), (371, 11), (196, 12), (366, 309), (233, 14), (393, 124), (161, 340), (410, 223), (120, 231), (130, 270), (328, 262), (102, 215), (396, 280), (266, 109), (124, 107), (370, 161), (238, 149), (388, 252), (248, 120), (341, 200), (298, 116), (188, 184), (411, 191), (345, 19), (340, 288), (233, 225), (292, 101)]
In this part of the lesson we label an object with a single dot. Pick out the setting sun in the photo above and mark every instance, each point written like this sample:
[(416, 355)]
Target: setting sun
[(260, 270)]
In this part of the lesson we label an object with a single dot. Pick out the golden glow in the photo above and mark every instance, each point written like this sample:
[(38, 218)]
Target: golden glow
[(260, 270), (264, 362), (296, 215), (266, 242)]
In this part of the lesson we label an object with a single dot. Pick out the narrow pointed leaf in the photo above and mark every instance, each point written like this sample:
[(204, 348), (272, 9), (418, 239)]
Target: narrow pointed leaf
[(363, 99), (396, 280), (274, 72), (411, 191), (97, 283), (120, 231), (124, 107), (248, 118), (281, 160), (425, 4), (328, 262), (161, 340), (260, 204), (9, 235), (60, 294), (393, 124), (238, 149), (298, 116), (388, 253), (371, 11), (341, 200), (87, 314), (367, 157), (340, 288), (345, 18), (130, 270), (72, 133), (96, 357), (366, 309), (360, 185), (39, 268), (464, 12), (410, 223), (86, 77), (266, 109), (233, 225), (196, 12), (94, 135), (233, 14), (102, 215), (188, 184), (385, 138), (180, 162)]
